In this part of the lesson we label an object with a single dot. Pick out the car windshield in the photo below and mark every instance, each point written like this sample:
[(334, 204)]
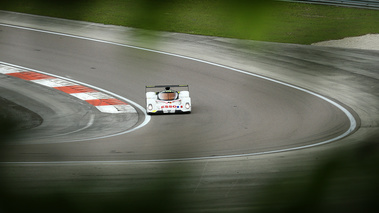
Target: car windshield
[(168, 95)]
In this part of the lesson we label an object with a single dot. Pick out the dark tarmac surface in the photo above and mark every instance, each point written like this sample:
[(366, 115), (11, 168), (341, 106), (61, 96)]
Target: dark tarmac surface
[(233, 184), (233, 113)]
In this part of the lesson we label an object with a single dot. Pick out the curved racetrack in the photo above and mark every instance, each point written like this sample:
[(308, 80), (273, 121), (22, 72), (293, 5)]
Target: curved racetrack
[(233, 113)]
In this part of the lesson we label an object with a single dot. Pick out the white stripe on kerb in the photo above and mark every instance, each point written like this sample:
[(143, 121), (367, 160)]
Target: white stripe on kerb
[(7, 70), (54, 82), (91, 95), (116, 109)]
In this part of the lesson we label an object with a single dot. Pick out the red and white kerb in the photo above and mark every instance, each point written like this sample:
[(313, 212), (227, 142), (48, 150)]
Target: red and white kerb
[(103, 102)]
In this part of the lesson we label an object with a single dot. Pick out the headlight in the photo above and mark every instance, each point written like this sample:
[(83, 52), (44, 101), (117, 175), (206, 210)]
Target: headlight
[(150, 107), (187, 106)]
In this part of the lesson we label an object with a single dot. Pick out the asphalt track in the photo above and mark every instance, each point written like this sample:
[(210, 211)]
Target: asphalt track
[(233, 113), (346, 76)]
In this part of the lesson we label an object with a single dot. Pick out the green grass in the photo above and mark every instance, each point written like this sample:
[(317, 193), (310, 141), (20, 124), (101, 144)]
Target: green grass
[(246, 19)]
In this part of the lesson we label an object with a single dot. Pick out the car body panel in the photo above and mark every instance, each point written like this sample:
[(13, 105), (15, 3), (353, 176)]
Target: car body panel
[(168, 101)]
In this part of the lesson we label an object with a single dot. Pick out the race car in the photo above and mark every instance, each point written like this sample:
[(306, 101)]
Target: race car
[(167, 100)]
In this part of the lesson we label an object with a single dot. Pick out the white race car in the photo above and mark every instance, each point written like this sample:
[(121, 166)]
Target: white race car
[(160, 101)]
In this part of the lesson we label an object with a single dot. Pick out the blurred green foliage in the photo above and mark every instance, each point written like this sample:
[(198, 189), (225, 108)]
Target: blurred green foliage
[(346, 182), (264, 20)]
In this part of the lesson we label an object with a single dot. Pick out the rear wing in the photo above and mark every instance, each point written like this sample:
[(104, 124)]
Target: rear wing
[(158, 88)]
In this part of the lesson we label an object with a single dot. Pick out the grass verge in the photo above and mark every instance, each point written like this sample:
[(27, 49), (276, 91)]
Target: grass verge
[(255, 20)]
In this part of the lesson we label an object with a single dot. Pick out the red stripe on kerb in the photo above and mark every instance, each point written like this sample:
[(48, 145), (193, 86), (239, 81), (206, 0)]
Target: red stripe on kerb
[(30, 75), (75, 89), (105, 102)]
